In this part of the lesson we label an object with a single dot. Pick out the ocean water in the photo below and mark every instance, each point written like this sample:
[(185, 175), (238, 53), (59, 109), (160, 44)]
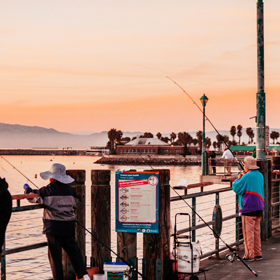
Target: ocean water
[(25, 228)]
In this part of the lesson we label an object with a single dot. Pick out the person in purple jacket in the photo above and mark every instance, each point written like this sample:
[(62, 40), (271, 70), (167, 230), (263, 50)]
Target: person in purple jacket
[(59, 200), (250, 189)]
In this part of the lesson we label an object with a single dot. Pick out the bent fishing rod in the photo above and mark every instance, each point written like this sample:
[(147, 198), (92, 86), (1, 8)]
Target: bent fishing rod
[(20, 172), (221, 137), (132, 268), (214, 232)]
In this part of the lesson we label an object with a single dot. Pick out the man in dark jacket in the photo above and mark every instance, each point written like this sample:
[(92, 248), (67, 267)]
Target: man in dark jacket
[(59, 200), (5, 210)]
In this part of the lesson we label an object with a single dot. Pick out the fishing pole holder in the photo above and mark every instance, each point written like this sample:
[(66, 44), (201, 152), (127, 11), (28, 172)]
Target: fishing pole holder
[(186, 241)]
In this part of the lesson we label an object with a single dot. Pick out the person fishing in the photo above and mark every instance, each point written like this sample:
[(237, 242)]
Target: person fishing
[(59, 200), (5, 210), (228, 156), (250, 189)]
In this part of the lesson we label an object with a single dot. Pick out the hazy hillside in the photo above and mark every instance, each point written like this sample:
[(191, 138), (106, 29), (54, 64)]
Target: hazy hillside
[(26, 137)]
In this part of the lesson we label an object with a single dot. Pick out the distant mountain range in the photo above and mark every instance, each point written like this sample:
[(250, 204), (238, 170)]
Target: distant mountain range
[(14, 136)]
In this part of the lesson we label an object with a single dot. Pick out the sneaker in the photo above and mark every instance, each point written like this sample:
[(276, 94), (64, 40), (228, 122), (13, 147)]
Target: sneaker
[(258, 258)]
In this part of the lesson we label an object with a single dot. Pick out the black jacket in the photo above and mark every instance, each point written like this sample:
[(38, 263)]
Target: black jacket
[(5, 209), (60, 201)]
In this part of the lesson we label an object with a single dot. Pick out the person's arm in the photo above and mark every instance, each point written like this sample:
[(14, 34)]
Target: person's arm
[(239, 184), (28, 190)]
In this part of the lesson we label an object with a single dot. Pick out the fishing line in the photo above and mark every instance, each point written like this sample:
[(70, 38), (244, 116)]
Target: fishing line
[(122, 259), (221, 137), (20, 172)]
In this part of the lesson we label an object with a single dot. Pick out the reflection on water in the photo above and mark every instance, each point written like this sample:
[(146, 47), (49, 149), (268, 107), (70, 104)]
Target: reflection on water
[(26, 228)]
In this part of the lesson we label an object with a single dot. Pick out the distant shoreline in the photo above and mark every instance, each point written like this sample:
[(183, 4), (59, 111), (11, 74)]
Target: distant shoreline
[(42, 152)]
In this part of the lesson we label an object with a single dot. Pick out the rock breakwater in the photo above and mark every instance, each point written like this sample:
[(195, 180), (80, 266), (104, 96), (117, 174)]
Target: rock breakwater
[(149, 160)]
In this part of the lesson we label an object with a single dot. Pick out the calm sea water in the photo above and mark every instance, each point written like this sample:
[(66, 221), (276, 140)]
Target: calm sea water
[(26, 228)]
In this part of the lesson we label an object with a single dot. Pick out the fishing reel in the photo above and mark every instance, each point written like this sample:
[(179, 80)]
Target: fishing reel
[(230, 258), (128, 272)]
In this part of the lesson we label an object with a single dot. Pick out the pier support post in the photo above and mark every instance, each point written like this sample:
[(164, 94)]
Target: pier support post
[(127, 249), (80, 212), (101, 216), (156, 247)]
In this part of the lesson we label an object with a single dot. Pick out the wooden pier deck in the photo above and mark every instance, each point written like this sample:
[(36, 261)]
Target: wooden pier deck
[(267, 268)]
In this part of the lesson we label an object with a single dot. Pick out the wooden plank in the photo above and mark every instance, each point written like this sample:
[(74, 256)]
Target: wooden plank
[(23, 196), (25, 248)]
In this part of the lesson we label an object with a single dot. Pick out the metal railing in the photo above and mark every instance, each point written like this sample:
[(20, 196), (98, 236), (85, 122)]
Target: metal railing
[(205, 203), (222, 166), (275, 201)]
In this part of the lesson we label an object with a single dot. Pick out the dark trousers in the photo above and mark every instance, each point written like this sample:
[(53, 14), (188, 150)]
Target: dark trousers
[(69, 244)]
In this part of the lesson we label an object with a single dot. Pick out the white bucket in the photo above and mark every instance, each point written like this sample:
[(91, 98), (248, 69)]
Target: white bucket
[(185, 255), (99, 277), (115, 270)]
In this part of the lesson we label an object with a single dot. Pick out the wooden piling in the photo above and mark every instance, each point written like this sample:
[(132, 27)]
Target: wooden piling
[(156, 247), (80, 212), (101, 217), (127, 249)]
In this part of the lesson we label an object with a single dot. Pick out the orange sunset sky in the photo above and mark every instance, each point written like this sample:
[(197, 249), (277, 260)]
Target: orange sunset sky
[(94, 65)]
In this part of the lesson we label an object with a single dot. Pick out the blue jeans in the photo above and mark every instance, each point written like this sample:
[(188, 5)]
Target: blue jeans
[(69, 244)]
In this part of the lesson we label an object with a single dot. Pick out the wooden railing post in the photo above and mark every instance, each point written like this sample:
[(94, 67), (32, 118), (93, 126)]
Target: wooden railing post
[(127, 249), (101, 217), (156, 247), (79, 186)]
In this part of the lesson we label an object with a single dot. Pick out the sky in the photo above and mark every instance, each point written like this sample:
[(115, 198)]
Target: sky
[(95, 65)]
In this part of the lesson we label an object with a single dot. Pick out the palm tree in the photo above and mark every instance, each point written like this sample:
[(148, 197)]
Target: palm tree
[(148, 135), (251, 134), (232, 132), (274, 135), (173, 137), (219, 140), (199, 138), (165, 139), (184, 138), (158, 135), (239, 132), (112, 135)]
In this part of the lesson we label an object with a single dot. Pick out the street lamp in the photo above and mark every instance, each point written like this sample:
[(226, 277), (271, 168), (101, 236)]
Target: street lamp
[(203, 100)]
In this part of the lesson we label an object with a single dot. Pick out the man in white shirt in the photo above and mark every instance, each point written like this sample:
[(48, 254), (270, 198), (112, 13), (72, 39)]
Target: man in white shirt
[(228, 156)]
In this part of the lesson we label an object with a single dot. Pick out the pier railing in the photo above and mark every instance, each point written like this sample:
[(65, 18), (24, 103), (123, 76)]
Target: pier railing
[(218, 207)]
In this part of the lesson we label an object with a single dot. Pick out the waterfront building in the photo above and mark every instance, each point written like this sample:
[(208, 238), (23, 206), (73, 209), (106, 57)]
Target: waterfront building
[(153, 146)]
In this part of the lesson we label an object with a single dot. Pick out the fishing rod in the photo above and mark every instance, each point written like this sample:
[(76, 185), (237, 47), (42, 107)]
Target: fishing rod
[(221, 137), (20, 172), (214, 232)]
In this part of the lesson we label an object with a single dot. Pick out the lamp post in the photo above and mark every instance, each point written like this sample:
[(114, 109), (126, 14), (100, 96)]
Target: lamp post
[(203, 100)]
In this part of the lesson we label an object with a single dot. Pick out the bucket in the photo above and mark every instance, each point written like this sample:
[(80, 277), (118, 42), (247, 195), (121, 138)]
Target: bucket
[(91, 271), (115, 271), (99, 277), (185, 255)]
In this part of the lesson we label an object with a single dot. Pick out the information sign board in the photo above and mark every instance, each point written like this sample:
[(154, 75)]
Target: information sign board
[(137, 202)]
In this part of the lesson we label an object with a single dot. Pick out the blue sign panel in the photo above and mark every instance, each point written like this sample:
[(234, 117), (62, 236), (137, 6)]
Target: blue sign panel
[(137, 202)]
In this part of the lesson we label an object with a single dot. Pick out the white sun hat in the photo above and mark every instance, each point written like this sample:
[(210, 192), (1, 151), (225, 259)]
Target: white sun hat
[(250, 162), (57, 172)]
